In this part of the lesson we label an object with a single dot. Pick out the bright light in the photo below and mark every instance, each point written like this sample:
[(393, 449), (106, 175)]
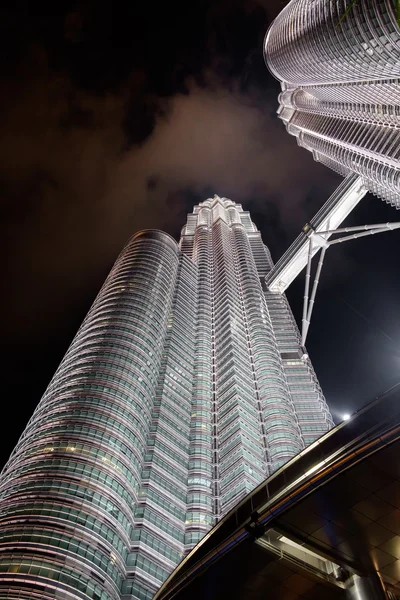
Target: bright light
[(346, 417)]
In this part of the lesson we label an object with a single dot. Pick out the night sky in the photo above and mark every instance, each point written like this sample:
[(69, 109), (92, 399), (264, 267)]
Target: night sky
[(116, 116)]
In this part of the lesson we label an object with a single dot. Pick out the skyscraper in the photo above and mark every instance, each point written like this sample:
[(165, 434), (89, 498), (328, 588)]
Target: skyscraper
[(339, 67), (182, 390)]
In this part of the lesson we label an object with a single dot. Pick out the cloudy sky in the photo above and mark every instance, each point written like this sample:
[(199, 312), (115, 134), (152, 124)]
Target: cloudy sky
[(117, 116)]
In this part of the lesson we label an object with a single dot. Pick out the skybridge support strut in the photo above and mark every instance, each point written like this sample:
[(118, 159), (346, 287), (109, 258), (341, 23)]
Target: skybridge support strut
[(332, 214), (320, 241)]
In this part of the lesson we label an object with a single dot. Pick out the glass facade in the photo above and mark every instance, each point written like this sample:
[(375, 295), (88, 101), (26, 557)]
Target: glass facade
[(339, 69), (182, 390)]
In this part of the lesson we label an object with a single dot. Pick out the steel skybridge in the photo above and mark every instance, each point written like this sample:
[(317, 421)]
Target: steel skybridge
[(315, 236)]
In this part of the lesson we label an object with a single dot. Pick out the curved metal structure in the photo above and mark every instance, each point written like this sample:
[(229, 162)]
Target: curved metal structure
[(337, 502), (69, 490), (339, 67), (325, 42)]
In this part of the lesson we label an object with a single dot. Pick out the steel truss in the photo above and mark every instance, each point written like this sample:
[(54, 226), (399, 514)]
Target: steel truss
[(318, 242)]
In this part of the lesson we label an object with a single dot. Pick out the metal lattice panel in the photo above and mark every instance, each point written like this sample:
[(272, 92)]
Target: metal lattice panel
[(339, 66), (313, 42)]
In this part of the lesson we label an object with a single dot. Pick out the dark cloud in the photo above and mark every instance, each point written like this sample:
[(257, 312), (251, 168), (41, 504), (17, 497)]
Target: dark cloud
[(117, 112)]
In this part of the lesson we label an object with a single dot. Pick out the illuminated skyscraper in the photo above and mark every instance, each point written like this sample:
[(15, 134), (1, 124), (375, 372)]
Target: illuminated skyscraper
[(182, 390), (339, 67)]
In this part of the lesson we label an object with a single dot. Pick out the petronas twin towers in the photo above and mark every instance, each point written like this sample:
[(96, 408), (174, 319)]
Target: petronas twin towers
[(186, 385), (183, 390)]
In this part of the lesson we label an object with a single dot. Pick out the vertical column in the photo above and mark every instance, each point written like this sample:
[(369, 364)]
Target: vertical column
[(365, 588), (241, 465), (281, 432), (68, 492), (158, 541), (199, 515)]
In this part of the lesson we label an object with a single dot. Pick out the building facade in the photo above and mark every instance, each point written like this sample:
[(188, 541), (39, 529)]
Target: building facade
[(183, 389), (339, 67)]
